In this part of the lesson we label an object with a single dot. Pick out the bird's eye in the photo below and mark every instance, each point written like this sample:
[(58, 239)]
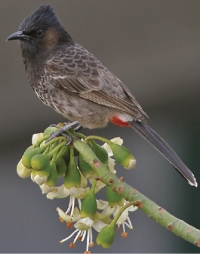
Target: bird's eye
[(39, 32)]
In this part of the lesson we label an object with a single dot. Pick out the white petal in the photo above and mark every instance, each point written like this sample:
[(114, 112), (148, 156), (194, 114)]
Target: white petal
[(130, 208), (98, 225), (79, 192), (132, 164), (59, 192), (111, 165), (107, 210), (83, 181), (66, 217), (36, 137), (39, 179), (116, 140), (108, 149), (123, 217), (46, 189), (99, 186), (84, 223), (101, 204)]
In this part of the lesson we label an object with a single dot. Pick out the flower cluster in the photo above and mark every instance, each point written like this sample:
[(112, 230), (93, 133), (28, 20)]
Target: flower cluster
[(47, 160)]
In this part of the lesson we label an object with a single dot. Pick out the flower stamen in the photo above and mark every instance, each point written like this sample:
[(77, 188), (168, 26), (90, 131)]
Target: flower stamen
[(69, 236)]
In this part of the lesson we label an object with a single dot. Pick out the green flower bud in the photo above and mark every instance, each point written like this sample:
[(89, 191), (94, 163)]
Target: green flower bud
[(72, 176), (53, 176), (22, 171), (29, 148), (123, 156), (61, 167), (40, 161), (28, 154), (106, 236), (100, 152), (49, 130), (89, 206), (113, 198), (84, 167)]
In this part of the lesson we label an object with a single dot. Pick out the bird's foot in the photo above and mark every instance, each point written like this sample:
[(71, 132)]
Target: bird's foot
[(62, 131)]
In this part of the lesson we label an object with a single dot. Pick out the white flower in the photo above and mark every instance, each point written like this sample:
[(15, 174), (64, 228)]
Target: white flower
[(83, 227), (123, 219)]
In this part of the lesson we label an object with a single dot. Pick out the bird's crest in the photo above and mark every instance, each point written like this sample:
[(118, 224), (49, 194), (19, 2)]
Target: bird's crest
[(44, 16)]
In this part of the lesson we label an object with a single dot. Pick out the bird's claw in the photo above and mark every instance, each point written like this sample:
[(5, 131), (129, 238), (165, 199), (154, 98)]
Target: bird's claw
[(62, 131), (69, 138), (53, 125)]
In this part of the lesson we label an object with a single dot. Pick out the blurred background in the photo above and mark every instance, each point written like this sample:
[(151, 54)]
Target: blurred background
[(153, 46)]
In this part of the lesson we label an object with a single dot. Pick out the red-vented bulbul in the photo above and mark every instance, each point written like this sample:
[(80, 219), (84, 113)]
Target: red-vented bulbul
[(72, 81)]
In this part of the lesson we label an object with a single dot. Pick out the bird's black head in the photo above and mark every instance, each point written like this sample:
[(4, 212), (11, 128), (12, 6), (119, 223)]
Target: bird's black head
[(41, 31)]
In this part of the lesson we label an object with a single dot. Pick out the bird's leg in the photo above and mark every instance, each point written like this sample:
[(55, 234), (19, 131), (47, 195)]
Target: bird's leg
[(62, 131), (78, 127)]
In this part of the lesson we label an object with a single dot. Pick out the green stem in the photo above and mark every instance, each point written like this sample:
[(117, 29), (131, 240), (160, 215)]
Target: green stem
[(37, 144), (54, 157), (53, 141), (53, 145), (92, 190), (57, 148), (99, 138), (159, 214), (71, 154), (80, 135)]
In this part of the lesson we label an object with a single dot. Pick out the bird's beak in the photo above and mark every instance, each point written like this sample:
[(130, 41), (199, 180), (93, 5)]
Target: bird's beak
[(18, 36)]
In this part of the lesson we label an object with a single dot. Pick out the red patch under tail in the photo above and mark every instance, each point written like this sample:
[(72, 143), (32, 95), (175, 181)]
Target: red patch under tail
[(116, 120)]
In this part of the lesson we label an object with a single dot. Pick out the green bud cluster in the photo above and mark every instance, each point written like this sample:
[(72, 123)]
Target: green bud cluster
[(45, 161)]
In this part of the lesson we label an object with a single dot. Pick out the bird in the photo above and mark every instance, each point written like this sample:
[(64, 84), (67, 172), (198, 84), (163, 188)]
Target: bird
[(71, 80)]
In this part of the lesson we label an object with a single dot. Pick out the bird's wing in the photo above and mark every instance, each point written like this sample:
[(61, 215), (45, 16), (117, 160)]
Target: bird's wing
[(79, 73)]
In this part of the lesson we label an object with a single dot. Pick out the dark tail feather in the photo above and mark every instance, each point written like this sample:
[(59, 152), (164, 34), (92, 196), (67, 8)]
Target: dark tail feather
[(152, 137)]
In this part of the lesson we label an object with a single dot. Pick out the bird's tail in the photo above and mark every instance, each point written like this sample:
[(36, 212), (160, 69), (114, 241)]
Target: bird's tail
[(155, 140)]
